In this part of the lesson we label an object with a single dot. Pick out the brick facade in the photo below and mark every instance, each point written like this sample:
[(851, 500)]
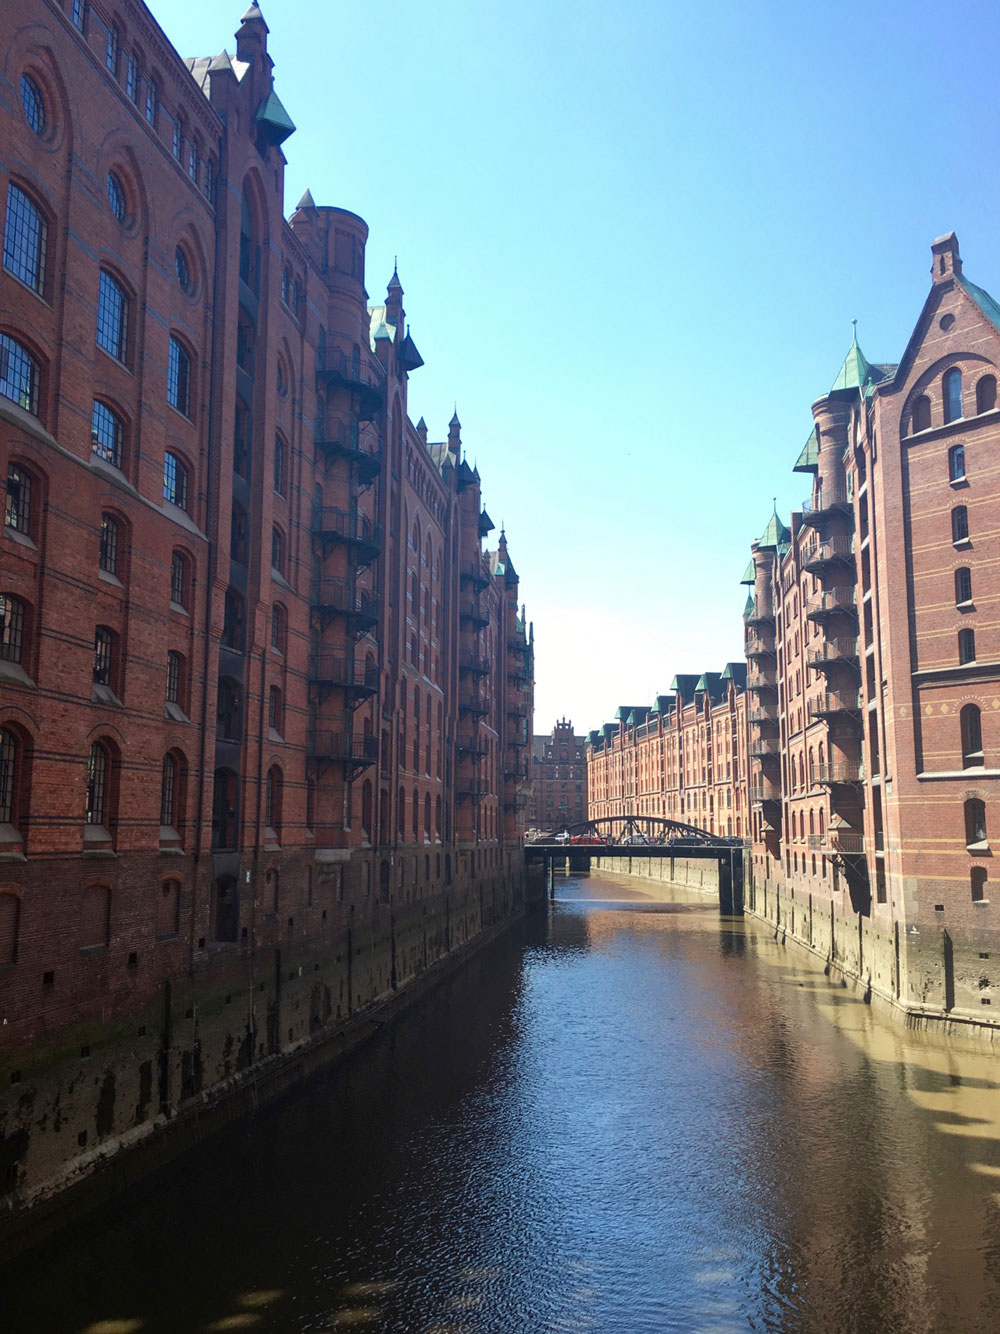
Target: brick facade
[(558, 779), (261, 686)]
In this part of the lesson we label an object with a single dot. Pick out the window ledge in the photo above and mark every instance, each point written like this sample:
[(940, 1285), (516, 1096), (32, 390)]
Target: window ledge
[(100, 854), (110, 578), (978, 847), (181, 517), (175, 711), (22, 539), (272, 735), (177, 606), (957, 483), (962, 543), (14, 672), (103, 694), (980, 903), (965, 606)]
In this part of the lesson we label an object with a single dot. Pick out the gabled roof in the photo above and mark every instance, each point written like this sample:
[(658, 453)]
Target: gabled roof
[(684, 685), (983, 300), (737, 673), (625, 713), (808, 459), (663, 704)]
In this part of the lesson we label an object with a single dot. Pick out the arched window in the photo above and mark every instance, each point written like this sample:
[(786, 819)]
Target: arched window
[(175, 480), (272, 800), (416, 814), (960, 524), (171, 804), (106, 656), (224, 809), (20, 374), (978, 878), (10, 912), (180, 580), (966, 646), (232, 626), (956, 463), (116, 196), (107, 434), (951, 385), (277, 550), (13, 801), (182, 268), (79, 14), (33, 103), (427, 817), (132, 77), (276, 710), (98, 785), (279, 465), (25, 239), (17, 512), (179, 377), (193, 160), (112, 316), (12, 628), (228, 709), (986, 393), (111, 50), (110, 533), (972, 737), (176, 683), (975, 821), (921, 415), (279, 624), (401, 814), (963, 585)]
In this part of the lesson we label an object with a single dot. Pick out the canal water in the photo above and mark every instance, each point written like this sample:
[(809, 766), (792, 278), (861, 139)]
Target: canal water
[(623, 1116)]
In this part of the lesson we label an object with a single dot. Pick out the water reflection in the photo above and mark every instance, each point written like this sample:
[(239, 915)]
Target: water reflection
[(627, 1116)]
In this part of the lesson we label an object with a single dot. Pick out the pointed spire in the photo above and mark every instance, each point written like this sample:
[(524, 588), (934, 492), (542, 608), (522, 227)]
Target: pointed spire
[(253, 15), (394, 284), (454, 418), (854, 373), (306, 201)]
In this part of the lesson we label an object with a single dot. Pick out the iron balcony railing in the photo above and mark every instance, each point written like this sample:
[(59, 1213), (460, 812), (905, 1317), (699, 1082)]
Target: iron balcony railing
[(474, 664), (826, 499), (845, 771), (846, 841), (474, 572), (346, 526), (329, 745), (831, 650), (765, 792), (833, 701), (759, 614), (760, 646), (760, 750), (834, 599), (763, 713), (470, 609), (821, 553), (468, 702), (331, 669), (337, 595), (344, 440), (350, 366), (471, 788), (762, 678)]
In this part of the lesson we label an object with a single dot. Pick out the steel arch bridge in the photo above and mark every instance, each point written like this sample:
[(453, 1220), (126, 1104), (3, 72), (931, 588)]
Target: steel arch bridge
[(636, 831)]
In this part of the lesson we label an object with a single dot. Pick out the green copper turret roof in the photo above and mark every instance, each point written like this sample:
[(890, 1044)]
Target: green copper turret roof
[(775, 535), (272, 114), (749, 576), (808, 460), (857, 372)]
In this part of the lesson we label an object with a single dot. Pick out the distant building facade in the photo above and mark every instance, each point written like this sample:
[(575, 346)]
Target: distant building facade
[(558, 778), (264, 696), (683, 758)]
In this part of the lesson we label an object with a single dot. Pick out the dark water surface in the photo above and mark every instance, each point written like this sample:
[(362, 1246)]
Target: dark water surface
[(629, 1117)]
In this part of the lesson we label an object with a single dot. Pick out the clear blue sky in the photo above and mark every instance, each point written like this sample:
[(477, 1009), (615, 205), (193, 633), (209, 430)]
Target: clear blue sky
[(632, 239)]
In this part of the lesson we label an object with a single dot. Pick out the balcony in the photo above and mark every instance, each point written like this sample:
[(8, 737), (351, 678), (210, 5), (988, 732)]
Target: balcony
[(343, 441), (355, 753), (357, 681), (518, 708), (832, 702), (846, 842), (336, 596), (759, 646), (475, 573), (763, 713), (820, 555), (471, 703), (833, 600), (762, 678), (762, 790), (472, 664), (830, 651), (348, 528), (758, 614), (515, 801), (470, 789), (828, 500), (471, 611), (764, 749), (470, 743), (346, 366), (830, 775)]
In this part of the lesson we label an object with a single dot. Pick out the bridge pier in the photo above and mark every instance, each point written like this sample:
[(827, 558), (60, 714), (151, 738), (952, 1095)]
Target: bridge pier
[(550, 870)]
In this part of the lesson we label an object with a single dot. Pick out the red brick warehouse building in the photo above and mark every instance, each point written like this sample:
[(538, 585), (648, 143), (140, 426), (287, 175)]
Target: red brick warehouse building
[(265, 700), (558, 778)]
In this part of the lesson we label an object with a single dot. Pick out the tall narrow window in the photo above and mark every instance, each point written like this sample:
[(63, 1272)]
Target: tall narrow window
[(275, 710), (17, 506), (224, 809), (279, 465), (107, 433), (963, 585), (152, 103), (19, 374), (175, 480), (986, 393), (959, 524), (232, 628), (921, 415), (32, 104), (978, 878), (177, 139), (8, 777), (109, 544), (24, 239), (952, 386), (11, 628), (97, 784), (116, 196), (79, 14), (179, 377), (966, 646), (248, 245), (175, 679), (193, 160), (277, 551), (228, 709), (971, 724), (956, 463), (104, 656), (208, 179), (131, 77), (279, 627), (272, 800), (975, 821), (179, 579), (112, 316), (168, 790), (111, 51)]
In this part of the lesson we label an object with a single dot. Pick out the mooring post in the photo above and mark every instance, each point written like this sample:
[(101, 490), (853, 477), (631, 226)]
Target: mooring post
[(551, 865)]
